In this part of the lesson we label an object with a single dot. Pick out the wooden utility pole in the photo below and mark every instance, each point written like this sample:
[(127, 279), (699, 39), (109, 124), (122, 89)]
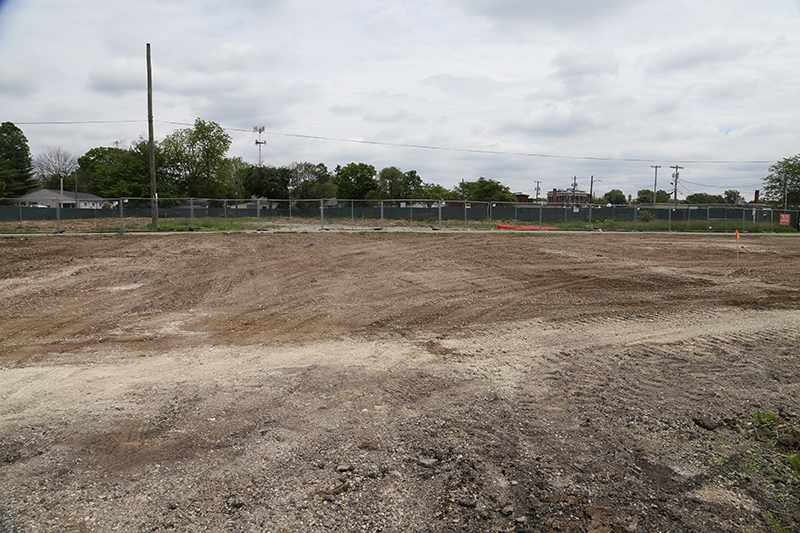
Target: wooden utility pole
[(676, 176), (655, 183), (153, 192)]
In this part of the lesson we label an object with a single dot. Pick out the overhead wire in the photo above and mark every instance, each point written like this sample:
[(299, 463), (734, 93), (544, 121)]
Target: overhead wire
[(418, 146)]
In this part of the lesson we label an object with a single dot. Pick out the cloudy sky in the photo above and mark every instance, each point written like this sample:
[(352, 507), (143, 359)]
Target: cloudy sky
[(515, 90)]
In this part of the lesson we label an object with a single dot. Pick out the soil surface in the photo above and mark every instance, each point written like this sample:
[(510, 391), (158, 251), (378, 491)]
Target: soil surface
[(323, 381)]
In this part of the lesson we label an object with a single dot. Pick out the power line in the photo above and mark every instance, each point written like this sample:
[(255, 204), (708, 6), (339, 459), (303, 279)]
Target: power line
[(503, 152), (421, 146), (73, 122)]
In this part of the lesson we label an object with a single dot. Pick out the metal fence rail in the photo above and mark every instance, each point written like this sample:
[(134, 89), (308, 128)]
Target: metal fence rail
[(197, 214)]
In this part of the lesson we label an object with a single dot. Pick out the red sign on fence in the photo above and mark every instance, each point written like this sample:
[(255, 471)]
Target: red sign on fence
[(786, 220)]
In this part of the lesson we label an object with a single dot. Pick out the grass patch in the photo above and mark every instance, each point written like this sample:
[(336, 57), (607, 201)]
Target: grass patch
[(793, 461), (775, 525), (765, 418)]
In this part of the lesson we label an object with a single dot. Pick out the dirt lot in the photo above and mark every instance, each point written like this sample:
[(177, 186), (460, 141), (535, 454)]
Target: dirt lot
[(585, 382)]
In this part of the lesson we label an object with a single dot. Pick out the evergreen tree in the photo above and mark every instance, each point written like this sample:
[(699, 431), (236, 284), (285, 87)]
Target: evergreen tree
[(16, 165)]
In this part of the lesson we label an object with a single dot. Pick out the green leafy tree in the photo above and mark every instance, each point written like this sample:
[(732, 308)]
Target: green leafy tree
[(615, 197), (645, 196), (268, 182), (433, 191), (309, 181), (238, 170), (782, 184), (484, 190), (704, 198), (390, 181), (463, 191), (355, 181), (196, 158), (731, 196), (395, 183), (123, 172), (16, 166)]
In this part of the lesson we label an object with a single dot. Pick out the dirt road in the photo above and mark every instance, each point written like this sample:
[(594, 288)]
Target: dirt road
[(585, 382)]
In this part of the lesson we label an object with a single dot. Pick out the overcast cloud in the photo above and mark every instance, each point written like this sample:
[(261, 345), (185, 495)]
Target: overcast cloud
[(581, 87)]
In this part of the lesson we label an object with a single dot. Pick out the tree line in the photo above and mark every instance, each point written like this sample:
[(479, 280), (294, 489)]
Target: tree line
[(193, 162), (645, 196)]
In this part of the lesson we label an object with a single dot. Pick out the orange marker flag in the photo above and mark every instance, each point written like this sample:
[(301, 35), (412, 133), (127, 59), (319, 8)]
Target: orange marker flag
[(737, 235)]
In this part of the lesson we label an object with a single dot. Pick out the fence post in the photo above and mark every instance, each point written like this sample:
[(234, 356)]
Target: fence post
[(58, 216), (191, 214), (352, 216), (322, 214), (121, 216), (225, 213), (290, 213), (743, 220), (440, 213), (381, 214), (590, 215), (708, 218), (411, 213), (258, 214)]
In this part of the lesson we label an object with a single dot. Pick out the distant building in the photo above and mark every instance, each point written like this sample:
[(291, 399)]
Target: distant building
[(567, 197), (523, 198), (69, 200)]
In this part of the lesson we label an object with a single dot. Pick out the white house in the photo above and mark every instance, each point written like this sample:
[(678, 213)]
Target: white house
[(51, 198)]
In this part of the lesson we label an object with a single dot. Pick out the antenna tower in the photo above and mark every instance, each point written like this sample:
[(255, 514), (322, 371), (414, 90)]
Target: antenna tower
[(259, 142)]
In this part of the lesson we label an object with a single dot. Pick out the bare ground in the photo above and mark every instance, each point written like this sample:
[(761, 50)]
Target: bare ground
[(587, 382)]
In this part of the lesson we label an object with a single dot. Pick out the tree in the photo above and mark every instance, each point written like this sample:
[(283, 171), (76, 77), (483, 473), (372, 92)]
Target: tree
[(238, 171), (396, 184), (267, 182), (704, 198), (463, 190), (16, 167), (645, 196), (355, 181), (433, 191), (484, 190), (731, 196), (123, 172), (311, 181), (615, 197), (196, 158), (54, 165), (782, 185)]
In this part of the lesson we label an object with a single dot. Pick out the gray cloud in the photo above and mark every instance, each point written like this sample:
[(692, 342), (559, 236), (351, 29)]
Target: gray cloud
[(707, 56), (469, 86), (564, 14)]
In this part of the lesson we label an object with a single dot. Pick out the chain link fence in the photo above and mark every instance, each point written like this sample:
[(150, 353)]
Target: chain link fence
[(195, 214)]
